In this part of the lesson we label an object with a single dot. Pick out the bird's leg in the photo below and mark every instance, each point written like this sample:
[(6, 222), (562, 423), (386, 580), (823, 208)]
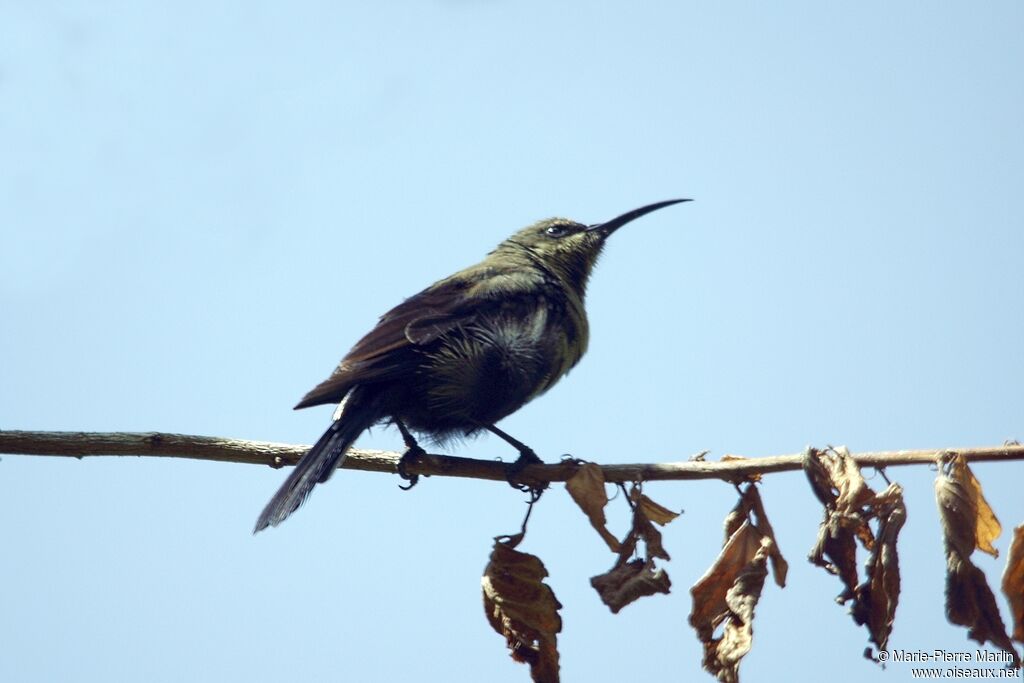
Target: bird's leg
[(526, 457), (413, 451)]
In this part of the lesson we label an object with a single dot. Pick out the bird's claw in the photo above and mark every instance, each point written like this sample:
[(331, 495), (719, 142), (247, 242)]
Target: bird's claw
[(526, 458), (412, 454)]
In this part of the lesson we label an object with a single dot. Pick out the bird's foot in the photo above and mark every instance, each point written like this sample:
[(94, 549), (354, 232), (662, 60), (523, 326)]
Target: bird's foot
[(413, 452), (526, 458), (411, 455)]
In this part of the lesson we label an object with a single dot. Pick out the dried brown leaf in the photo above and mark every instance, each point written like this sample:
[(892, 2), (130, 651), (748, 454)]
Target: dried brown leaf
[(727, 594), (586, 487), (853, 490), (710, 590), (836, 478), (818, 477), (780, 568), (976, 523), (878, 597), (988, 526), (836, 552), (642, 530), (838, 484), (736, 518), (651, 536), (969, 600), (850, 504), (630, 581), (1013, 582), (523, 609), (653, 511), (970, 603), (958, 512), (658, 514)]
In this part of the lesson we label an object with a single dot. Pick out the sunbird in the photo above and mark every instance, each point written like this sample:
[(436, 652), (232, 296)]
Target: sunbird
[(463, 354)]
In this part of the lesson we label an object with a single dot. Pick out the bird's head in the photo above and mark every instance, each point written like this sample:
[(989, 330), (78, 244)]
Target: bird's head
[(570, 249)]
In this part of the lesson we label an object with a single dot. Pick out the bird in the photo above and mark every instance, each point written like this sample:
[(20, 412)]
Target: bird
[(471, 349)]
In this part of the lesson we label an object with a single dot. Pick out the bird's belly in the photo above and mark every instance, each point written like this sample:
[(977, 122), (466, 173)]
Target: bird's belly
[(479, 375)]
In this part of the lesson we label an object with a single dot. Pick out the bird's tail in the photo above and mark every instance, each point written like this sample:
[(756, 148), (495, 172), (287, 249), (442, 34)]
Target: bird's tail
[(352, 418)]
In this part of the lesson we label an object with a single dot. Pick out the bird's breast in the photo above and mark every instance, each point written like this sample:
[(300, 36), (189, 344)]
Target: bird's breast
[(481, 372)]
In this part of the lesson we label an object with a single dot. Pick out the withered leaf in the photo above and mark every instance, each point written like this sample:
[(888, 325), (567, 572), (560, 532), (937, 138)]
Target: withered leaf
[(630, 581), (836, 479), (878, 596), (853, 490), (658, 514), (818, 477), (1013, 582), (643, 530), (736, 518), (727, 594), (975, 524), (710, 590), (752, 500), (653, 511), (969, 600), (836, 552), (838, 484), (988, 526), (586, 487), (523, 609), (970, 603), (849, 506)]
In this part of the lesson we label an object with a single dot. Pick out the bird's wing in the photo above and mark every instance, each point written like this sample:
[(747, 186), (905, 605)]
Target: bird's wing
[(417, 321)]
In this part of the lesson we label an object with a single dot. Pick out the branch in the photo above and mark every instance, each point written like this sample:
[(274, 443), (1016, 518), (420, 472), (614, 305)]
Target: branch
[(158, 444)]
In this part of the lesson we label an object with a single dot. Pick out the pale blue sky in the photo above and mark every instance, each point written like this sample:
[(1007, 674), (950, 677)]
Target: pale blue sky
[(202, 208)]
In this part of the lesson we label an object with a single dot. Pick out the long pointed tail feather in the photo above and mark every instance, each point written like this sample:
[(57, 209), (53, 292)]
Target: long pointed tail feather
[(318, 464)]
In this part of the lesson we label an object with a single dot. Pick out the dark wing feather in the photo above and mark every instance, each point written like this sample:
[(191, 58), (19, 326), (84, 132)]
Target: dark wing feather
[(418, 320)]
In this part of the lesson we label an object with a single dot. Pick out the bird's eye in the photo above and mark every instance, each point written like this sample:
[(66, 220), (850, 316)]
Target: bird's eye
[(556, 231)]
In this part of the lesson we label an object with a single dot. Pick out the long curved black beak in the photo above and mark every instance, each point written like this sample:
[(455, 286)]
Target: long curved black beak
[(608, 227)]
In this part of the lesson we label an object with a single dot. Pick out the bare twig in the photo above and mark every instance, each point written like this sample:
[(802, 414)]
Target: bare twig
[(85, 444)]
